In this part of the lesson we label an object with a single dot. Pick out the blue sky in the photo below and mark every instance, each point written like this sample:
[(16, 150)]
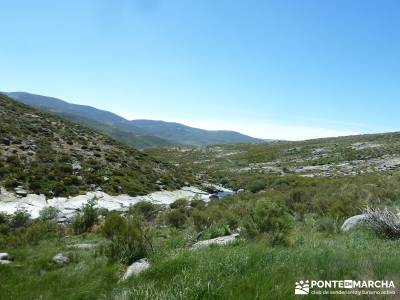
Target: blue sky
[(272, 69)]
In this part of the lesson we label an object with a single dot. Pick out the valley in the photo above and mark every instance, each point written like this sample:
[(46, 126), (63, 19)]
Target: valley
[(84, 215)]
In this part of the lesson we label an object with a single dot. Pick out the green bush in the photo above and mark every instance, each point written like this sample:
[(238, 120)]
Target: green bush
[(257, 185), (215, 231), (114, 223), (40, 230), (145, 208), (201, 220), (130, 239), (197, 203), (20, 218), (4, 218), (84, 221), (327, 224), (271, 215), (176, 218), (49, 213), (180, 203)]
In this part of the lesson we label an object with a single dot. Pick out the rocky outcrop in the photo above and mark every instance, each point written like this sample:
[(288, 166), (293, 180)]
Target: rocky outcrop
[(136, 268), (353, 222), (10, 202), (222, 240)]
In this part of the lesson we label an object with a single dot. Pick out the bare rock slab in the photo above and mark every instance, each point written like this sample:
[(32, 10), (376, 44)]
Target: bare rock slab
[(222, 240), (353, 222), (136, 268), (83, 246)]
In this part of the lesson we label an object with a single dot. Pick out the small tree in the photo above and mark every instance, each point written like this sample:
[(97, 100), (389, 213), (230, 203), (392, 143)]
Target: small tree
[(85, 220)]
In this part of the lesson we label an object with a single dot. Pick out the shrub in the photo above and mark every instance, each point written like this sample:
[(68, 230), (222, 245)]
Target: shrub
[(4, 218), (197, 203), (49, 213), (20, 218), (40, 230), (215, 231), (130, 239), (114, 223), (327, 224), (256, 186), (271, 215), (85, 220), (180, 203), (145, 208), (384, 222), (201, 220), (176, 218)]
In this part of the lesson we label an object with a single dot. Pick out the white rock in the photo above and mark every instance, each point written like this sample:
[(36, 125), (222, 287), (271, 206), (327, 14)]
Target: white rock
[(10, 202), (60, 259), (136, 268), (222, 240), (353, 221), (82, 246), (76, 166), (5, 262), (3, 256)]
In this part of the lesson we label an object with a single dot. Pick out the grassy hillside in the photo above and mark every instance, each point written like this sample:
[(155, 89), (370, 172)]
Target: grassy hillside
[(244, 270), (46, 154), (243, 164)]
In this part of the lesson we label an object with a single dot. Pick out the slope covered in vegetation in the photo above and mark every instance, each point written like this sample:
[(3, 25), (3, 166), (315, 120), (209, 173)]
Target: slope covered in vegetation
[(46, 154)]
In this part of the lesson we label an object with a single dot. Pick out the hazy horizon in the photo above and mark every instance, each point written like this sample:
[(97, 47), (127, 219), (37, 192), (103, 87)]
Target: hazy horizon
[(270, 69)]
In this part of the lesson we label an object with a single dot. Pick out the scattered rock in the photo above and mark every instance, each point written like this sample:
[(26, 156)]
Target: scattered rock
[(76, 166), (4, 256), (222, 240), (60, 259), (353, 222), (136, 268), (83, 246), (20, 191)]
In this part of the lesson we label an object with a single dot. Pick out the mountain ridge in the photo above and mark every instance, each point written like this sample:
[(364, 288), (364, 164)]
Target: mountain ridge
[(140, 133)]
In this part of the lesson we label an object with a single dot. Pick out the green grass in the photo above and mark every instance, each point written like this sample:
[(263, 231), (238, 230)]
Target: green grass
[(251, 270), (33, 275), (242, 270)]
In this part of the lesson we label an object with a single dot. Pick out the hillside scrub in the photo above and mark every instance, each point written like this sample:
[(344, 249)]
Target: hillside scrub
[(45, 154)]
